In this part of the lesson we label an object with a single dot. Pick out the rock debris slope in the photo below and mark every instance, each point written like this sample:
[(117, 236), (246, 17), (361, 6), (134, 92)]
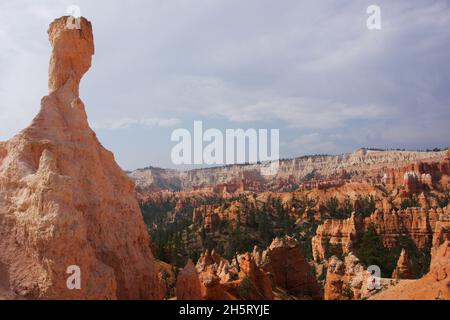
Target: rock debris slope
[(63, 199)]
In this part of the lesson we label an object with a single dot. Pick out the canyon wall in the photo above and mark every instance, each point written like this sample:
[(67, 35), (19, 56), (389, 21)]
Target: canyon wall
[(392, 167), (418, 223), (433, 286)]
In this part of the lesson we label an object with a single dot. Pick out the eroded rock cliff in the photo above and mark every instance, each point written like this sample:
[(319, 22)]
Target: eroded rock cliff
[(250, 276), (285, 261), (413, 169), (417, 223), (433, 286)]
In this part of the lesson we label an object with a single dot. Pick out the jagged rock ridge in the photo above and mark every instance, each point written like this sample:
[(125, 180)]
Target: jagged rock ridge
[(312, 170), (250, 276)]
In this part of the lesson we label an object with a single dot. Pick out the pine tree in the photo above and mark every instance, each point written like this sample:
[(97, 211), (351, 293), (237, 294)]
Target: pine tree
[(372, 252)]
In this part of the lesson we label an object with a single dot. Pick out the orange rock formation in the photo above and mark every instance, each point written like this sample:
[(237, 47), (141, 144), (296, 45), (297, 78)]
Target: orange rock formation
[(403, 270), (250, 276), (63, 199), (284, 260), (346, 280), (418, 223), (188, 285)]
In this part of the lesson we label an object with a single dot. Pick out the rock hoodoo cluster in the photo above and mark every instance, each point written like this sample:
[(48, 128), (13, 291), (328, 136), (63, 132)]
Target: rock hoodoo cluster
[(418, 223), (65, 202), (386, 200), (346, 280), (250, 275), (214, 278), (284, 260)]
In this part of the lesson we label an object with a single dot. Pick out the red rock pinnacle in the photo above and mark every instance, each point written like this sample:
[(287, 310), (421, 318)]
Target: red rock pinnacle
[(65, 202)]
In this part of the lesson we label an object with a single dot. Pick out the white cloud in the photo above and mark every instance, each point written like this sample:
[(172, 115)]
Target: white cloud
[(305, 112), (303, 66), (213, 97)]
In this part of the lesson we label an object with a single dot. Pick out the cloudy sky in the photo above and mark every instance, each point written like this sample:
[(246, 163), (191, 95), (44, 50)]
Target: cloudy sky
[(309, 68)]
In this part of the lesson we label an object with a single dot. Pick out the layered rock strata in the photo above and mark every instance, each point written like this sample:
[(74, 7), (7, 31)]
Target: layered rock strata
[(418, 223)]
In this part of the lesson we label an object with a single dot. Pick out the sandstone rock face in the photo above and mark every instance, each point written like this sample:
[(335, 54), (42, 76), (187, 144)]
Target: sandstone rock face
[(418, 223), (241, 279), (436, 284), (389, 167), (440, 266), (166, 274), (433, 286), (207, 259), (188, 283), (64, 201), (211, 288), (210, 217), (256, 275), (284, 260), (250, 276), (71, 54), (346, 280), (403, 270), (342, 233), (201, 282)]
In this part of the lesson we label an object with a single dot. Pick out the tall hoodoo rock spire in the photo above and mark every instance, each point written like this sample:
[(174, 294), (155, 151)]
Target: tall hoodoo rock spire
[(64, 201), (72, 50)]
